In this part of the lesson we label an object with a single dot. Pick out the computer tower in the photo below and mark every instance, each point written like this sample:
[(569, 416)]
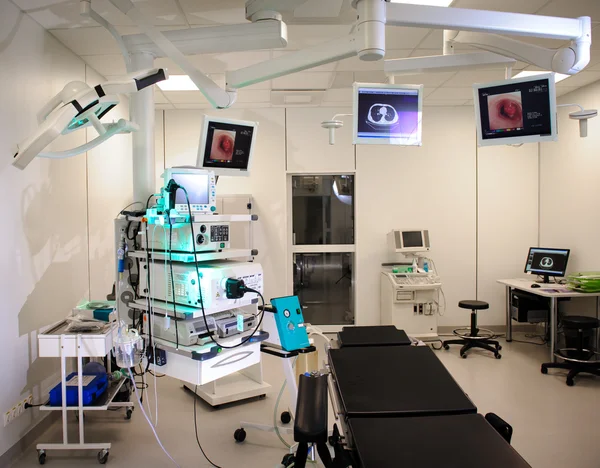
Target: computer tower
[(526, 307)]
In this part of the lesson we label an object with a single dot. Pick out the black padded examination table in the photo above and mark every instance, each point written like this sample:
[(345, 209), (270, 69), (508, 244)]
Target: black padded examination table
[(458, 441), (382, 335), (395, 381)]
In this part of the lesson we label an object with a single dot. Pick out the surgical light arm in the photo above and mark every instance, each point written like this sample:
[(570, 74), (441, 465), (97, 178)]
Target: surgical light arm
[(293, 62), (217, 96), (78, 106)]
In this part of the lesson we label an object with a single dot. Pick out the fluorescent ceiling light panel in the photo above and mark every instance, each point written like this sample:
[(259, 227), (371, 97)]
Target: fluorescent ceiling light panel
[(557, 76), (178, 83), (439, 3)]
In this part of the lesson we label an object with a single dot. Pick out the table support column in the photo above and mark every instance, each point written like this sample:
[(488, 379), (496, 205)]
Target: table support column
[(553, 326), (508, 314)]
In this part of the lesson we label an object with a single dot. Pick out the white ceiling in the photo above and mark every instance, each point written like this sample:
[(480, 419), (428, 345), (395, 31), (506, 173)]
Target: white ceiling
[(305, 28)]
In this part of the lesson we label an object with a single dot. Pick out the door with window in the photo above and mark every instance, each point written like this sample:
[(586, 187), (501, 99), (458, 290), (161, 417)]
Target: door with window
[(323, 247)]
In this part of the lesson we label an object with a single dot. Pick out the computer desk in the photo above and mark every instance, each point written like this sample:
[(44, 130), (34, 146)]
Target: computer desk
[(552, 291)]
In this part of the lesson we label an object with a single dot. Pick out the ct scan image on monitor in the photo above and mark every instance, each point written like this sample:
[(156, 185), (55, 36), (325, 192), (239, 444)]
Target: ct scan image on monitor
[(547, 262), (387, 114), (516, 111), (226, 146)]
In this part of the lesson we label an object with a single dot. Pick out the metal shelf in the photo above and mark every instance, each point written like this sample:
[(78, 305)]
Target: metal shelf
[(101, 404), (200, 256), (210, 218), (186, 312)]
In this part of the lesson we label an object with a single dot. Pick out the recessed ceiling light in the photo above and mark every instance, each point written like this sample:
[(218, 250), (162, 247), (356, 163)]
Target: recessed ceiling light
[(439, 3), (557, 76), (178, 83)]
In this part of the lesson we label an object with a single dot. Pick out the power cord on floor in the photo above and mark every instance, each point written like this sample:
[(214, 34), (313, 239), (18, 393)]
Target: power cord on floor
[(196, 430)]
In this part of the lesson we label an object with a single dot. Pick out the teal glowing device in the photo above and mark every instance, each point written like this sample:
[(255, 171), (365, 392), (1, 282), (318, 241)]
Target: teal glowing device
[(285, 324)]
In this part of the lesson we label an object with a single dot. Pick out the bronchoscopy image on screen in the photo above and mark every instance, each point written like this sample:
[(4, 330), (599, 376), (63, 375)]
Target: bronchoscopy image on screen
[(516, 109), (505, 111), (388, 113), (222, 145), (228, 145)]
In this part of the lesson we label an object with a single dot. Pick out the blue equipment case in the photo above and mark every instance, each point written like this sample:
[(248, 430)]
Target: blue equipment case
[(94, 386)]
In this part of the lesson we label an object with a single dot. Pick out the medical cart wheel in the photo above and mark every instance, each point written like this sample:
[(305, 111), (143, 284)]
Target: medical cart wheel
[(128, 414), (42, 457), (103, 456), (498, 356), (286, 417), (544, 369), (239, 435), (288, 460), (446, 347)]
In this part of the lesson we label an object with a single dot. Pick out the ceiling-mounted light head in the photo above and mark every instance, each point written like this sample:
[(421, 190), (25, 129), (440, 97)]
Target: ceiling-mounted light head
[(583, 117), (332, 125)]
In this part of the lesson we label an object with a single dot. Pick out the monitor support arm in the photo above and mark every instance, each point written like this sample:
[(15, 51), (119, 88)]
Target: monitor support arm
[(480, 29)]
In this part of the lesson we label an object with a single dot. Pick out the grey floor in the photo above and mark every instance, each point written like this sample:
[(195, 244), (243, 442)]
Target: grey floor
[(555, 426)]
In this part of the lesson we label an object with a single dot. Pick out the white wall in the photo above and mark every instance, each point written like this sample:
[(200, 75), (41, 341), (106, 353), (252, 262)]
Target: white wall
[(507, 222), (569, 188), (476, 205), (44, 234), (430, 187), (48, 216)]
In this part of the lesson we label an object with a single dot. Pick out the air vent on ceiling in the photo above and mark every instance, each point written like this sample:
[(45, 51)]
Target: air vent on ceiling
[(297, 97)]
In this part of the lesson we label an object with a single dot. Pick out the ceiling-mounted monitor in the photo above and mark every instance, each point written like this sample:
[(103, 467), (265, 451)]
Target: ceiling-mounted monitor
[(512, 112), (387, 114), (226, 146)]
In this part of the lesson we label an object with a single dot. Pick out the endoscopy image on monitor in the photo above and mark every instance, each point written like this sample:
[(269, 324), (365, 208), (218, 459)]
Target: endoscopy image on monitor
[(505, 111), (226, 146), (223, 144), (387, 114), (516, 111)]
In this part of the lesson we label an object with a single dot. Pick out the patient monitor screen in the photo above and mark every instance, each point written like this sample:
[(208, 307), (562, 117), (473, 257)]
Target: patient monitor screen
[(387, 115), (412, 239), (197, 187), (521, 109), (228, 145)]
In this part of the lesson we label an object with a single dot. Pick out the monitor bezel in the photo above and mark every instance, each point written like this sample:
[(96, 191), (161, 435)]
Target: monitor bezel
[(532, 272), (519, 139), (222, 171), (378, 141)]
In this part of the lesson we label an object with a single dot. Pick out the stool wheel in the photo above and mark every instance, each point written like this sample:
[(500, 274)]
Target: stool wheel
[(499, 348), (498, 356), (446, 347), (463, 355), (239, 435), (286, 417), (544, 369), (570, 382)]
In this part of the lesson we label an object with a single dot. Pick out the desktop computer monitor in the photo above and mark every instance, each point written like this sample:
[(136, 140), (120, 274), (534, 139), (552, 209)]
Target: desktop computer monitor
[(547, 262)]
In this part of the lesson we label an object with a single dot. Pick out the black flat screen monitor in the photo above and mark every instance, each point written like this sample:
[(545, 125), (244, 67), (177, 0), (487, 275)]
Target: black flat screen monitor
[(547, 262)]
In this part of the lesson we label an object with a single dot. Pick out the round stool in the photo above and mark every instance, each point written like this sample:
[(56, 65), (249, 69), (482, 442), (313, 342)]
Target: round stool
[(579, 359), (474, 337)]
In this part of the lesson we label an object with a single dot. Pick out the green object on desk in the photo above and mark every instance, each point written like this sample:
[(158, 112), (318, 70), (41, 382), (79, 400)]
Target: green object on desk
[(584, 282)]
